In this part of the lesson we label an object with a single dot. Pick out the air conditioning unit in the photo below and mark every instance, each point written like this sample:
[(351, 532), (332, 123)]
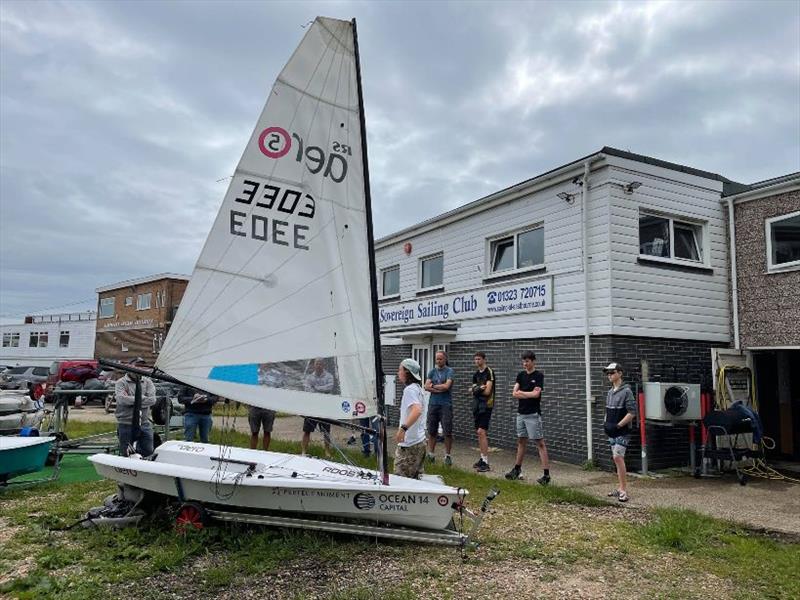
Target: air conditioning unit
[(672, 401)]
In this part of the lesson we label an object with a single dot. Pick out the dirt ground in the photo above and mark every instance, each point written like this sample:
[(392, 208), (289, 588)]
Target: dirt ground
[(761, 504)]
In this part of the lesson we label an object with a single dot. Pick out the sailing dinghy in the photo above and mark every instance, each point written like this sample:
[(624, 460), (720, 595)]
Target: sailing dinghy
[(287, 277)]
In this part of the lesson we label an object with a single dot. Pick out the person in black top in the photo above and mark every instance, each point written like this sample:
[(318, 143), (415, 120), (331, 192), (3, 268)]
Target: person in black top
[(197, 414), (620, 413), (528, 392), (483, 387)]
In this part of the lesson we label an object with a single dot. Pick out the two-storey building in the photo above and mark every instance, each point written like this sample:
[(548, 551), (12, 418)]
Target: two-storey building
[(764, 225), (134, 316), (42, 339), (612, 257)]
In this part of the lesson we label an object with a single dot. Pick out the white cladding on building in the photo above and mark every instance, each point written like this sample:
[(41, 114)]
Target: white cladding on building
[(671, 284), (42, 339)]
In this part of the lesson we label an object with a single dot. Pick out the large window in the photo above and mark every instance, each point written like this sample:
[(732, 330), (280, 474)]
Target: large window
[(517, 251), (783, 241), (11, 340), (38, 339), (143, 301), (63, 339), (668, 238), (431, 272), (106, 308), (390, 281)]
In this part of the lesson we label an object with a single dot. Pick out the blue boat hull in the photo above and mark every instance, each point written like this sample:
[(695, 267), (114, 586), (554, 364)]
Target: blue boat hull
[(21, 459)]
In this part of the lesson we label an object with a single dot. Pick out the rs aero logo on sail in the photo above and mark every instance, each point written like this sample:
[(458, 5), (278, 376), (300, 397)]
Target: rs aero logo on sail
[(275, 142)]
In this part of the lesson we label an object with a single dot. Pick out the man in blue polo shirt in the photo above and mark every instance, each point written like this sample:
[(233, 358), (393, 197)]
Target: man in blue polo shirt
[(440, 407)]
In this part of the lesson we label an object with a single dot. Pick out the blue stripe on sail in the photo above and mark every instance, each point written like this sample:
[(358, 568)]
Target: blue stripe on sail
[(247, 374)]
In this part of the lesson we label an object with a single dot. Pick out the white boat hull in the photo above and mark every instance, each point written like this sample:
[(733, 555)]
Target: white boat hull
[(283, 483)]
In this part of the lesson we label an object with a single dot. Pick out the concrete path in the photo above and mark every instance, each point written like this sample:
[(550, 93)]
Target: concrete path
[(762, 504)]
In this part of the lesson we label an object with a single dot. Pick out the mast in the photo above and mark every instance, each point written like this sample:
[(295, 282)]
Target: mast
[(373, 279)]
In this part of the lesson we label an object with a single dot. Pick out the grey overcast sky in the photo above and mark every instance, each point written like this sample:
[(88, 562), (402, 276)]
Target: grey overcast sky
[(117, 119)]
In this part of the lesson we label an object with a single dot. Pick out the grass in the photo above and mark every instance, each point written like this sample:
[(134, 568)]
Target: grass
[(538, 541)]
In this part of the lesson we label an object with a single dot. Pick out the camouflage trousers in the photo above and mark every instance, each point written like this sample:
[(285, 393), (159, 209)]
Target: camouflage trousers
[(408, 460)]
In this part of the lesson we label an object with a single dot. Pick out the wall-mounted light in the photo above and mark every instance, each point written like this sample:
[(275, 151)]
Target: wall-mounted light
[(568, 198), (628, 189)]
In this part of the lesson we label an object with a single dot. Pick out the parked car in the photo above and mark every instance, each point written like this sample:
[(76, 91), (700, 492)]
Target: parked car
[(74, 375), (18, 378)]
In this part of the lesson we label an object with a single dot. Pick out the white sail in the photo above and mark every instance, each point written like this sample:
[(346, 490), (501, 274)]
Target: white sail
[(283, 278)]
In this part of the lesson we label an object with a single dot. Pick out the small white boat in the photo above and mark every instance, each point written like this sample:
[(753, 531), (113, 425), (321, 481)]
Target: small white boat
[(20, 420), (272, 481)]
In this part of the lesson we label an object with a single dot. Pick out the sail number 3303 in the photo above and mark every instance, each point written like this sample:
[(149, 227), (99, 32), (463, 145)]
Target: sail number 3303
[(273, 229)]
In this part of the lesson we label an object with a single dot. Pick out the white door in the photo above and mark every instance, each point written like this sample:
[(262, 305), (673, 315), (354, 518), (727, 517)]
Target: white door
[(422, 354)]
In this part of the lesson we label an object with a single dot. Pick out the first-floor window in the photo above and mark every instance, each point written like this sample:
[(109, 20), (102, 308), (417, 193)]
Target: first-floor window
[(521, 250), (666, 237), (11, 340), (143, 301), (38, 339), (783, 241), (106, 308), (432, 272), (63, 339), (390, 281)]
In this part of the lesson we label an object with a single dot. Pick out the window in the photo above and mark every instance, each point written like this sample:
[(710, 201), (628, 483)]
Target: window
[(431, 272), (390, 281), (106, 308), (143, 301), (38, 339), (668, 238), (783, 241), (518, 251), (129, 301), (10, 340), (41, 371), (63, 339)]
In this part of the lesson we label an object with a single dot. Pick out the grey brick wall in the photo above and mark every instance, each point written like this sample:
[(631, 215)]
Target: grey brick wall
[(769, 313), (563, 404)]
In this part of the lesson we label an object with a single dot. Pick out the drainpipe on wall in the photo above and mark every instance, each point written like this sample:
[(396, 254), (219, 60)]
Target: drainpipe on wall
[(587, 353), (734, 283)]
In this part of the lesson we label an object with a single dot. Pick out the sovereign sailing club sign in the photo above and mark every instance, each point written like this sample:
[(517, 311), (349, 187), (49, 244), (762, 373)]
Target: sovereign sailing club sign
[(509, 299)]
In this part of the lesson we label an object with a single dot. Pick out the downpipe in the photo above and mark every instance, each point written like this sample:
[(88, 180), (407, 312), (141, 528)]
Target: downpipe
[(587, 353)]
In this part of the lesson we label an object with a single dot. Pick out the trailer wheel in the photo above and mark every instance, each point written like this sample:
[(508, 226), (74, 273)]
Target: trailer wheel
[(191, 517), (742, 478)]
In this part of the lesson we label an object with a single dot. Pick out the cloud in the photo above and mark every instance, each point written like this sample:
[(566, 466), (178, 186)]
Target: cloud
[(117, 119)]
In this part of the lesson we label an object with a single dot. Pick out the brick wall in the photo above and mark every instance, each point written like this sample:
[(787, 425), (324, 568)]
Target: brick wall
[(563, 404), (769, 313), (123, 330)]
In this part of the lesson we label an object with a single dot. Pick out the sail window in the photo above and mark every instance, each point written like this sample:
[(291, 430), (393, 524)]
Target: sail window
[(390, 281), (431, 272), (106, 308), (672, 239), (143, 301), (518, 251), (783, 241)]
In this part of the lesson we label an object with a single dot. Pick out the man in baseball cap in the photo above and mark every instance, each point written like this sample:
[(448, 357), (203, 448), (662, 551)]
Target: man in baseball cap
[(620, 413)]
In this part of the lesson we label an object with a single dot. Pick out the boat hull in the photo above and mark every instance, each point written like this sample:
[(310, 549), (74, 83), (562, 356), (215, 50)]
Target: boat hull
[(20, 455), (283, 483)]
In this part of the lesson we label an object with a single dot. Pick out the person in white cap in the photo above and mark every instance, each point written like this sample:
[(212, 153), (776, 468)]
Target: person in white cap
[(620, 413), (410, 438)]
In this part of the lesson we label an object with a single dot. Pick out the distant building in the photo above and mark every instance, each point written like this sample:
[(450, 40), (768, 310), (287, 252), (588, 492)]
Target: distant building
[(134, 316), (42, 339)]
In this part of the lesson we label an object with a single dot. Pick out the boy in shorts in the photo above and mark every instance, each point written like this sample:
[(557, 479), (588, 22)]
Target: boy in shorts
[(528, 392), (620, 413)]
